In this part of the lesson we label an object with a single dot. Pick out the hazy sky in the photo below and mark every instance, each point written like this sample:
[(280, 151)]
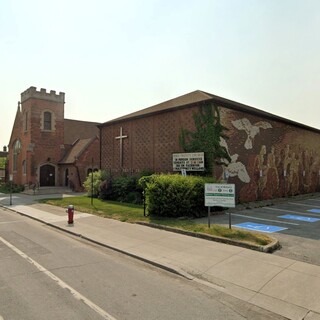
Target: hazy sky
[(116, 57)]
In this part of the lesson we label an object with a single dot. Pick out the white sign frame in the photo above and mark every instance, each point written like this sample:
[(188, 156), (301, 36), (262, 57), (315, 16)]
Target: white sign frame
[(220, 194), (190, 161)]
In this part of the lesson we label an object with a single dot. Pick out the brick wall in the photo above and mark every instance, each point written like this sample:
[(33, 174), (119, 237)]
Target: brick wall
[(149, 144), (84, 163), (269, 157), (38, 146)]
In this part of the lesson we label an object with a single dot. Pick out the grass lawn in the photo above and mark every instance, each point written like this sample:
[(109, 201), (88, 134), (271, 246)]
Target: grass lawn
[(134, 213)]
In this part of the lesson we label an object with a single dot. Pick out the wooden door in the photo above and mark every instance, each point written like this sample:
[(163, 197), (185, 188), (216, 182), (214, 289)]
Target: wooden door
[(47, 176)]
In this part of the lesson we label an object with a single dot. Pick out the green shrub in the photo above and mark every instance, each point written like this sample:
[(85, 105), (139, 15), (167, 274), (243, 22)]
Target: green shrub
[(105, 189), (175, 195), (124, 188), (94, 186), (10, 187)]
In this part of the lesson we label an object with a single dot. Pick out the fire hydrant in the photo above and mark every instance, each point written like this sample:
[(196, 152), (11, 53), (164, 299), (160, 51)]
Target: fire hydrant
[(70, 213)]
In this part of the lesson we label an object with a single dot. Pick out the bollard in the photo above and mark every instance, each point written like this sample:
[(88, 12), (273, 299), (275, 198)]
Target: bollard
[(70, 213)]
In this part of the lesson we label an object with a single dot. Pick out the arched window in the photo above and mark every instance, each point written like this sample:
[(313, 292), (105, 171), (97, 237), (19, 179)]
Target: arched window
[(16, 151), (47, 120), (24, 167)]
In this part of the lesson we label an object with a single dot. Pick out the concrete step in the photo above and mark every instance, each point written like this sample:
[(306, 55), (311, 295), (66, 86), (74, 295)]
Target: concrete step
[(47, 190)]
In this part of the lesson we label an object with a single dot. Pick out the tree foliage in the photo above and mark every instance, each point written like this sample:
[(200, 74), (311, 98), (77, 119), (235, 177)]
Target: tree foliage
[(92, 183), (3, 161), (206, 137)]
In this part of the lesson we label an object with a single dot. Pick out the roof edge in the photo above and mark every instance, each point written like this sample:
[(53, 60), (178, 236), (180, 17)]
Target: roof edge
[(220, 101)]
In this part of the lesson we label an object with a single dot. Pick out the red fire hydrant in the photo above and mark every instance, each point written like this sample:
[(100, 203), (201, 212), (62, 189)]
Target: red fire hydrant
[(70, 213)]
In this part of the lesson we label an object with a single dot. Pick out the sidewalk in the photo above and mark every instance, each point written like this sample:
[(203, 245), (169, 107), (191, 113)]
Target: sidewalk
[(284, 286)]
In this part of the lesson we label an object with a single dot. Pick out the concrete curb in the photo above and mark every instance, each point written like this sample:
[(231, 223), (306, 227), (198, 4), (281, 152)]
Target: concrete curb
[(269, 248), (166, 267)]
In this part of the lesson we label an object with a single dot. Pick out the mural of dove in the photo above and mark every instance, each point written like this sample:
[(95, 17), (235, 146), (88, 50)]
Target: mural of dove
[(234, 168), (251, 129)]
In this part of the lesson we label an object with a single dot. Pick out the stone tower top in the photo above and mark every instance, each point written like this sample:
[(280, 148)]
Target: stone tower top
[(42, 94)]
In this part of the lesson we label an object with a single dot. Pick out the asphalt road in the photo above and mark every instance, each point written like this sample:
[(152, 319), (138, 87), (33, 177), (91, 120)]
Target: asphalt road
[(47, 274), (299, 219)]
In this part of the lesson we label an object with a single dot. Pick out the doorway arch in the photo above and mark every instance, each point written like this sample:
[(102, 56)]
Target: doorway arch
[(47, 175)]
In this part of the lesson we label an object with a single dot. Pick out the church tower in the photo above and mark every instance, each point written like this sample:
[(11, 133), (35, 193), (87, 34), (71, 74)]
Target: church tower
[(40, 144)]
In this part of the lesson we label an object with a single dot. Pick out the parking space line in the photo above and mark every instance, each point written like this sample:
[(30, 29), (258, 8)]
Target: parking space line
[(290, 211), (255, 218), (300, 204)]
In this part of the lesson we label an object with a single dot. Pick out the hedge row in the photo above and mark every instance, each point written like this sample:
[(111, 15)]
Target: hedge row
[(168, 195), (175, 195), (124, 188)]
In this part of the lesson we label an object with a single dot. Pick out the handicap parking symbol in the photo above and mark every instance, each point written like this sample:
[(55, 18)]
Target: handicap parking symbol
[(259, 227)]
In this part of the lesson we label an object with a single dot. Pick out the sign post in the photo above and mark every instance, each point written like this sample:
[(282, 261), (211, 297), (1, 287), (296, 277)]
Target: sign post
[(221, 195), (11, 179), (92, 181)]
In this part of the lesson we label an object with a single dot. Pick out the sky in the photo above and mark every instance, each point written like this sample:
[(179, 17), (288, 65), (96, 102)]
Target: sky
[(112, 58)]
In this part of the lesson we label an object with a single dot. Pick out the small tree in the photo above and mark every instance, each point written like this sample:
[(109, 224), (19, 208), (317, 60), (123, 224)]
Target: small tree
[(94, 186), (3, 161)]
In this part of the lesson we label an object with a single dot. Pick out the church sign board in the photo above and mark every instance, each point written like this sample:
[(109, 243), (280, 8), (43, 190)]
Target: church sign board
[(188, 161), (218, 194)]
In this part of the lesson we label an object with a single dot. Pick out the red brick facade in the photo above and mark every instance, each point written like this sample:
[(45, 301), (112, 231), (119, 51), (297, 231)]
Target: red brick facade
[(74, 173), (270, 156), (38, 141)]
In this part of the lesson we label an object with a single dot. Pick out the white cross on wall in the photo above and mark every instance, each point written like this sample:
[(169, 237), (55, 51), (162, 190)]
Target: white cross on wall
[(121, 137)]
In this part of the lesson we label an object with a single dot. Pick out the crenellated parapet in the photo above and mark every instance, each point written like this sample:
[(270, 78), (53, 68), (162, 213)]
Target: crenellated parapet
[(42, 94)]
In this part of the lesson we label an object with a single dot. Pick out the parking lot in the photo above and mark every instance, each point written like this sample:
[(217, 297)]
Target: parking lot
[(295, 223)]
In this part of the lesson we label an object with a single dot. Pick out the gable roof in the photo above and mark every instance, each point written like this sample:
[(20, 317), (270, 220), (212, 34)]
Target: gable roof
[(184, 100), (198, 97), (76, 150), (16, 125), (76, 129)]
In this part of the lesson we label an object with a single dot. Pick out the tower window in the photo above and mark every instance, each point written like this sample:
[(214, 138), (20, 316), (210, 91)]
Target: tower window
[(26, 121), (47, 121)]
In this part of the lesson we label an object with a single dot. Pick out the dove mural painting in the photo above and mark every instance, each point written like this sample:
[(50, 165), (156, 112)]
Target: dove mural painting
[(251, 129), (233, 168)]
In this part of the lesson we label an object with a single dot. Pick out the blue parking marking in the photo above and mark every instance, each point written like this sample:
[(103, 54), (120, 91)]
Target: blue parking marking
[(259, 227), (314, 210), (300, 218)]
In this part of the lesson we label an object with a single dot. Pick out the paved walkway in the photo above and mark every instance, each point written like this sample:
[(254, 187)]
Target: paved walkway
[(284, 286)]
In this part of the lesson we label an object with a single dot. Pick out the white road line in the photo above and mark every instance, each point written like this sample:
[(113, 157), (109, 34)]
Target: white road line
[(5, 222), (314, 200), (290, 211), (301, 204), (255, 218), (61, 283)]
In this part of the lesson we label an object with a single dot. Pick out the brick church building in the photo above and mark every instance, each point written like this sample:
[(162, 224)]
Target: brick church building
[(47, 150), (267, 156)]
